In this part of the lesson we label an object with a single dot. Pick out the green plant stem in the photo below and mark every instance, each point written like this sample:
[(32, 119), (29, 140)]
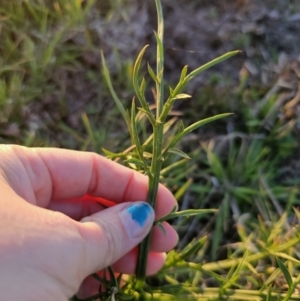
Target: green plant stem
[(160, 59), (157, 159), (152, 194), (229, 263), (212, 293)]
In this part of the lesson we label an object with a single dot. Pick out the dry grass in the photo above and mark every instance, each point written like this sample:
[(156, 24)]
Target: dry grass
[(52, 92)]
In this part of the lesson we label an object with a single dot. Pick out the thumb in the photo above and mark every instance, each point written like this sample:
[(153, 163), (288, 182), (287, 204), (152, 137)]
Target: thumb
[(110, 234)]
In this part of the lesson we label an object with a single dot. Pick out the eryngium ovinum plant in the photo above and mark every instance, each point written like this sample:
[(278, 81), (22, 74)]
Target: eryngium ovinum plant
[(150, 164)]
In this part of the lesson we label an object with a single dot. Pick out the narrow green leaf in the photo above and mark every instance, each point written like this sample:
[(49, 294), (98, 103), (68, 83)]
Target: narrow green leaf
[(246, 191), (147, 111), (173, 166), (191, 128), (216, 165), (53, 42), (119, 279), (186, 213), (269, 293), (222, 217), (142, 86), (112, 277), (147, 155), (109, 153), (178, 152), (193, 248), (105, 280), (137, 64), (181, 127), (234, 272), (285, 272), (286, 256), (135, 76), (202, 122), (142, 110), (297, 212), (135, 161), (70, 131), (210, 64), (96, 276), (136, 138), (161, 227), (89, 129), (183, 73), (175, 208), (170, 101), (181, 96), (183, 82), (183, 188), (292, 289), (32, 11), (152, 74)]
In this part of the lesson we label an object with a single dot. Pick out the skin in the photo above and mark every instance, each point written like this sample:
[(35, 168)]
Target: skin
[(54, 232)]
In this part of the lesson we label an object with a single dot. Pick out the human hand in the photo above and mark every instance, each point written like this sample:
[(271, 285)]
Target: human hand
[(53, 232)]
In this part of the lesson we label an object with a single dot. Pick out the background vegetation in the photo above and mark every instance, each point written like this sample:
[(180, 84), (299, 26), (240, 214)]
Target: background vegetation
[(53, 93)]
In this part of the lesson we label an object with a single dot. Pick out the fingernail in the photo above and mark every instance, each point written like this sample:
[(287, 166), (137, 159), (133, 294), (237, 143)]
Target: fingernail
[(136, 218)]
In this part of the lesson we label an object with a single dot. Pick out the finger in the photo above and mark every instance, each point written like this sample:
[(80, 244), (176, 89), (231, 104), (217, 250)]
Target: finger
[(111, 233), (127, 264), (76, 208), (160, 242), (163, 240), (89, 287), (56, 174), (92, 286)]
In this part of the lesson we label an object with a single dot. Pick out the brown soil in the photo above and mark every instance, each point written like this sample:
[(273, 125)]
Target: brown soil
[(198, 31)]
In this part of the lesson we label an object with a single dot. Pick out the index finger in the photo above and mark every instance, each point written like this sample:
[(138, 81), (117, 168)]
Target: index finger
[(61, 174)]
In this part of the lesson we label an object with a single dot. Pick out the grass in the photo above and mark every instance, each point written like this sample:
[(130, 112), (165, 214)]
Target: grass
[(53, 93)]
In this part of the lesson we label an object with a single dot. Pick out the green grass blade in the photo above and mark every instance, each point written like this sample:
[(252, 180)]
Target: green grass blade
[(193, 248), (48, 54), (182, 190), (222, 216), (114, 94), (216, 165), (285, 272), (89, 129)]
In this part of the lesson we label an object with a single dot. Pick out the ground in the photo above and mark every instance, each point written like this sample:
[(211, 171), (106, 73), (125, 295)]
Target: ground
[(53, 93)]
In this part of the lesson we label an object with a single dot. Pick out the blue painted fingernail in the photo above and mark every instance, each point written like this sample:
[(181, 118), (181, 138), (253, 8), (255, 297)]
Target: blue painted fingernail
[(136, 218)]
